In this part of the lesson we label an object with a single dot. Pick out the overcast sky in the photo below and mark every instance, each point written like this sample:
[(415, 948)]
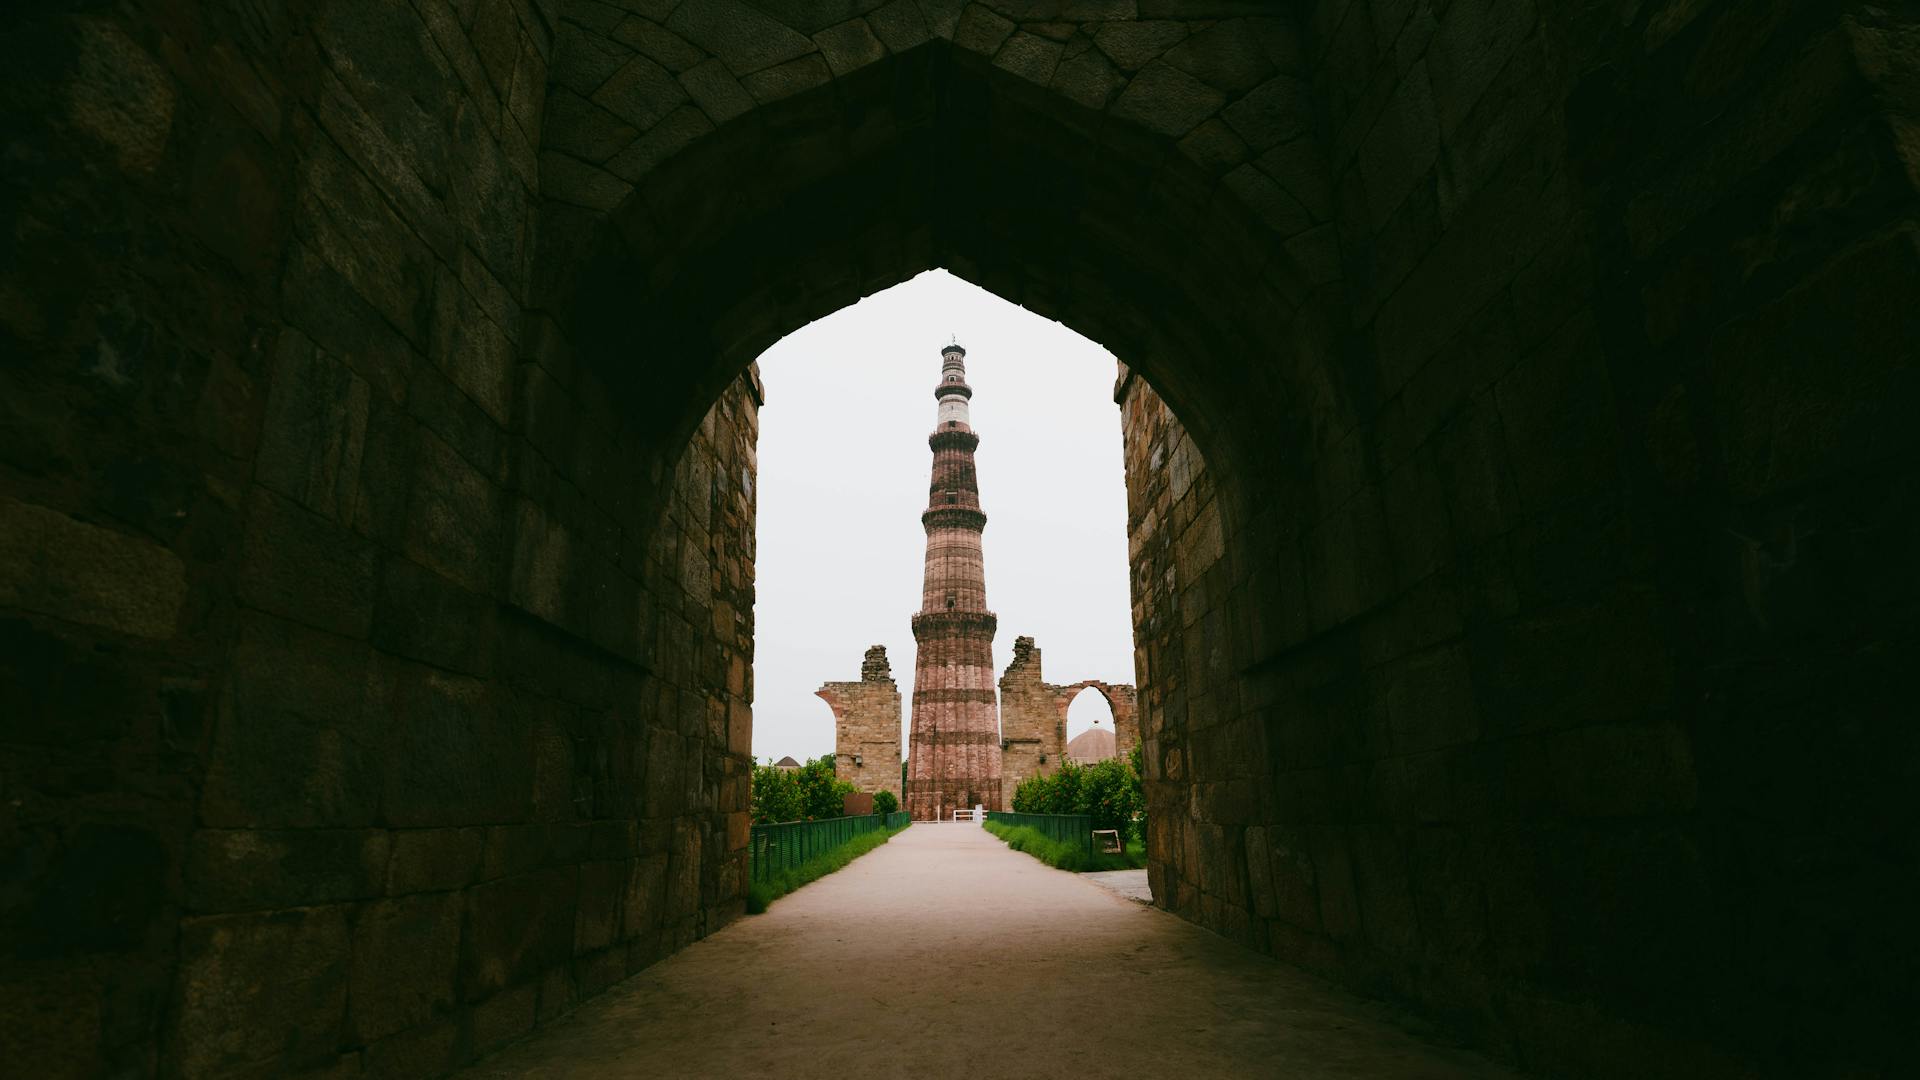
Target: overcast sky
[(844, 467)]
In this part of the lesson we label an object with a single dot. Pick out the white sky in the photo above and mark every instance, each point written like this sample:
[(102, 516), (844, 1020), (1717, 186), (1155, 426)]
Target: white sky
[(844, 469)]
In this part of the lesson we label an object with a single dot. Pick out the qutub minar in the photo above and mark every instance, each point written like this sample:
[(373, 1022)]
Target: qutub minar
[(954, 754)]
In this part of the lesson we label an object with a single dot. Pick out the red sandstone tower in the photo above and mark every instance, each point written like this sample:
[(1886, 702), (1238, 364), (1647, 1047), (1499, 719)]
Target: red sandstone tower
[(954, 760)]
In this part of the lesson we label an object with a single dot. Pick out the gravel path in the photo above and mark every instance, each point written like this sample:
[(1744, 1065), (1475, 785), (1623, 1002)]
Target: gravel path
[(944, 954)]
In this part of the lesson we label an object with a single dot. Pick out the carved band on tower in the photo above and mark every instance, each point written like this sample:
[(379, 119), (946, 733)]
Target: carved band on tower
[(953, 761)]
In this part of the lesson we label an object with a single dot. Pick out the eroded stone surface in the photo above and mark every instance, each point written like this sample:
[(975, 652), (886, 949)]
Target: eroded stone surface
[(1518, 599), (866, 733)]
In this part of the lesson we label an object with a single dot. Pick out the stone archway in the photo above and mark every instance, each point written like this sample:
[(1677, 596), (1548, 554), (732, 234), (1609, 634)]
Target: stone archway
[(1121, 698), (1519, 412)]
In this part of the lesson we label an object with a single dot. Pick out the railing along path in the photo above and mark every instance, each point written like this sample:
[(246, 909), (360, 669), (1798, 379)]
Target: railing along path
[(1065, 828), (787, 844)]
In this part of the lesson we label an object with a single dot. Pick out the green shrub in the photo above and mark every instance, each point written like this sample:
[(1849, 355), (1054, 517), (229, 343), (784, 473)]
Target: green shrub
[(1063, 856), (1107, 791), (811, 792), (774, 795), (884, 803)]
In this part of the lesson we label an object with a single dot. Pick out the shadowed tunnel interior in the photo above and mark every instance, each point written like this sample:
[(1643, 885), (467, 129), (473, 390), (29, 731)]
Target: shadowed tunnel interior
[(1517, 418)]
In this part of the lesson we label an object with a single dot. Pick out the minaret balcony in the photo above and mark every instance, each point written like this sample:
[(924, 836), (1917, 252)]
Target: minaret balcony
[(952, 517), (954, 438)]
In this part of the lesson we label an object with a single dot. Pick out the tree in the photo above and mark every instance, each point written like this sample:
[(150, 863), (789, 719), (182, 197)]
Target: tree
[(884, 802), (1107, 791), (820, 789), (774, 795)]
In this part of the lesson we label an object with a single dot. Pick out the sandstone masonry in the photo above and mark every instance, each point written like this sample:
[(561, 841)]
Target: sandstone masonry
[(954, 760), (866, 743), (1033, 716)]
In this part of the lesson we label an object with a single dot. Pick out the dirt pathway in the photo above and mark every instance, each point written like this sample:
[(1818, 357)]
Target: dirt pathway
[(943, 954)]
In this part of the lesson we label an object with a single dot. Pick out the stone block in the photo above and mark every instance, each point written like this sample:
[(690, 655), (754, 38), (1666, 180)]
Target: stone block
[(596, 971), (603, 891), (427, 860), (785, 80), (504, 1016), (405, 955), (743, 38), (514, 849), (1623, 770), (348, 224), (1429, 700), (1030, 57), (1165, 100), (422, 616), (981, 30), (1226, 56), (55, 565), (559, 990), (1134, 44), (516, 928), (1471, 458), (314, 431), (296, 741), (454, 518), (230, 870), (671, 135), (1786, 416), (264, 994), (641, 93), (1446, 875), (1333, 874), (302, 567), (849, 46), (428, 1050), (716, 91), (453, 754), (1403, 145), (583, 60), (656, 42), (1382, 887)]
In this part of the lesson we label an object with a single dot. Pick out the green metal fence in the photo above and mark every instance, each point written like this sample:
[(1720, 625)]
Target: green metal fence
[(899, 819), (790, 843), (1065, 828)]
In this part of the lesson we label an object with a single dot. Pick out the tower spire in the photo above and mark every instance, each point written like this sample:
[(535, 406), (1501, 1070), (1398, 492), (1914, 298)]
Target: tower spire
[(954, 760)]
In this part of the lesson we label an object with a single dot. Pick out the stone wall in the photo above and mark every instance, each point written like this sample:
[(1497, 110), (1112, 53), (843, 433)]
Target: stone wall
[(1033, 731), (1033, 716), (357, 717), (1122, 702), (866, 718), (1531, 646)]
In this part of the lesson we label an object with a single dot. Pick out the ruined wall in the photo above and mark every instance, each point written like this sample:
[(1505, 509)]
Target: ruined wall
[(1122, 701), (356, 716), (1033, 716), (866, 718), (1033, 731)]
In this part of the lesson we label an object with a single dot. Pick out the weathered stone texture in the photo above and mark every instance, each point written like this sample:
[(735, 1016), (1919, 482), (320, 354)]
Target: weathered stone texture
[(391, 712), (866, 726), (1033, 734), (1522, 598), (1033, 716)]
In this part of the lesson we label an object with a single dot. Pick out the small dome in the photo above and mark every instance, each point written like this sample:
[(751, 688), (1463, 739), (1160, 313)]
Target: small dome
[(1091, 745)]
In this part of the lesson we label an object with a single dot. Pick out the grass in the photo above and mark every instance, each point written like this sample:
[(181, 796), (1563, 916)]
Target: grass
[(1073, 857), (781, 882)]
